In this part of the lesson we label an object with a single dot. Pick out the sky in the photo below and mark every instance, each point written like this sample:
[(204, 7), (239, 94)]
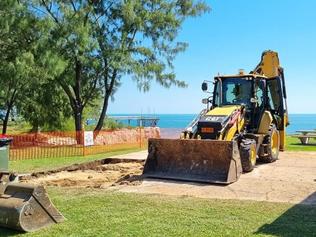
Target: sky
[(232, 37)]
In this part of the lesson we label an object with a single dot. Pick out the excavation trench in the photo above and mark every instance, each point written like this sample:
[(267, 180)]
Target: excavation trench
[(96, 174)]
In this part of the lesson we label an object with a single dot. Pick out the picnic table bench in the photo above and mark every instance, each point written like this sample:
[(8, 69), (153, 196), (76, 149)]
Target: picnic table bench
[(305, 135)]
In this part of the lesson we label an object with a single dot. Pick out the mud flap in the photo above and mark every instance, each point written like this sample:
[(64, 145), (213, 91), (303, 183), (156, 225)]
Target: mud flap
[(193, 160), (27, 208)]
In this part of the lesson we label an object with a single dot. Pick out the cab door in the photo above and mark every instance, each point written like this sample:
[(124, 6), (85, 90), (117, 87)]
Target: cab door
[(275, 101)]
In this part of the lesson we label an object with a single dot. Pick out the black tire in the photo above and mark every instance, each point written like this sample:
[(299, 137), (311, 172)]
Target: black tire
[(272, 141), (248, 154)]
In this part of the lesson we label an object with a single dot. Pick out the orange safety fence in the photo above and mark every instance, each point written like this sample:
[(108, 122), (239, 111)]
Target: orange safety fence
[(66, 144)]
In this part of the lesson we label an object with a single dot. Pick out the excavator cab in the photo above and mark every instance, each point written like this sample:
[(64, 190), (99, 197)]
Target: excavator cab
[(256, 93)]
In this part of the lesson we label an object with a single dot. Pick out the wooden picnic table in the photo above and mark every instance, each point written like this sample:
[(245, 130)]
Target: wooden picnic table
[(305, 132), (305, 135)]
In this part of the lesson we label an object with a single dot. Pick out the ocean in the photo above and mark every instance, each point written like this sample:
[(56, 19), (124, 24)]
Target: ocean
[(180, 121)]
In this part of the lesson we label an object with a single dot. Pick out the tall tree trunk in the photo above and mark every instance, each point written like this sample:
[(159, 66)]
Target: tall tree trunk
[(7, 115), (78, 106), (78, 126), (103, 113), (5, 121), (78, 103), (73, 93), (35, 127), (78, 120), (108, 89)]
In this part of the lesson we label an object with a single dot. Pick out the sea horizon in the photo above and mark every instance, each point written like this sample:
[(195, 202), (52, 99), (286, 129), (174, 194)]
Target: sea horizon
[(180, 121)]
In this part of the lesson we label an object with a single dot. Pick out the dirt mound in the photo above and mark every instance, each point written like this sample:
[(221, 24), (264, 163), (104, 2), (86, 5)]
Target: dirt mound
[(91, 175)]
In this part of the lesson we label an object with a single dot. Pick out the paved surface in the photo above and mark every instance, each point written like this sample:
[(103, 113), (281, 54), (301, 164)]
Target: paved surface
[(140, 155), (291, 179)]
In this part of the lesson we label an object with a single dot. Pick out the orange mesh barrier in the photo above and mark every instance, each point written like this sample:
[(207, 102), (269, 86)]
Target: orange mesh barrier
[(65, 144)]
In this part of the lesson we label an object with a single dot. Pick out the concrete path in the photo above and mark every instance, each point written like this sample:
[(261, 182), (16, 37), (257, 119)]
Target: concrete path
[(291, 179), (139, 155)]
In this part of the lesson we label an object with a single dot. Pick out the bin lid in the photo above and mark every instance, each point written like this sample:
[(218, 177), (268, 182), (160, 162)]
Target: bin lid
[(4, 140)]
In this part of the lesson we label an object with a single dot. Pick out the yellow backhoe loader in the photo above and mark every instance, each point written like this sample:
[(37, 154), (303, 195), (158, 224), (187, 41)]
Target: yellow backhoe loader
[(23, 207), (244, 121)]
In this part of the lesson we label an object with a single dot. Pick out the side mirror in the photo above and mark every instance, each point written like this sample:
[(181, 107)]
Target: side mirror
[(205, 101), (204, 86)]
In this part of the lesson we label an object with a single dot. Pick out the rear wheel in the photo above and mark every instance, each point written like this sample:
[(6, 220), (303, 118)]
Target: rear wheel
[(248, 154), (272, 146)]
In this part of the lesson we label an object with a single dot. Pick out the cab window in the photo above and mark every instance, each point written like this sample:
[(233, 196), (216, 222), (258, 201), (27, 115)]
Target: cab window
[(236, 91), (273, 94), (259, 92)]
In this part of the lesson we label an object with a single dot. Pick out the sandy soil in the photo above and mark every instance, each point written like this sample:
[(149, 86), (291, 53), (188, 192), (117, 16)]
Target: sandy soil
[(101, 176)]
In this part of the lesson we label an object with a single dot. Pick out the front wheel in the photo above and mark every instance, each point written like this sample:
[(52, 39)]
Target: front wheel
[(248, 154), (272, 144)]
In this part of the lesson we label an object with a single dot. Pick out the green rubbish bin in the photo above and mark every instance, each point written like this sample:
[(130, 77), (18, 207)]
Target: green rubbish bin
[(4, 153)]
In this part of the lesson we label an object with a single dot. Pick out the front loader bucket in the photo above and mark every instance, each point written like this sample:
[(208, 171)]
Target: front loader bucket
[(207, 161), (27, 208)]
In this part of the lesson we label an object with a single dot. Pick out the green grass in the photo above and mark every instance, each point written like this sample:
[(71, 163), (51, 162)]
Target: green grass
[(294, 144), (103, 213), (27, 166), (18, 127), (91, 212)]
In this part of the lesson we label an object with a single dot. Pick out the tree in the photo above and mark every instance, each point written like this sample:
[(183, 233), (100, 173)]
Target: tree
[(44, 106), (138, 38), (71, 40), (18, 37), (27, 68), (102, 41)]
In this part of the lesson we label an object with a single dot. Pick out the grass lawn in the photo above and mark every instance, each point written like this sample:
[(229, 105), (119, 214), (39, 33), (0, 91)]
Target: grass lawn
[(104, 213), (92, 212), (294, 144), (27, 166)]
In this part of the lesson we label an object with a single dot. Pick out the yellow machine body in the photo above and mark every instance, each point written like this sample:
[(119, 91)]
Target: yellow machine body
[(227, 137), (223, 111)]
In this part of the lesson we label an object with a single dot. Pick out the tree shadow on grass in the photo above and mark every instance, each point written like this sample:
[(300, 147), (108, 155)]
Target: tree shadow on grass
[(300, 220), (7, 232), (306, 145)]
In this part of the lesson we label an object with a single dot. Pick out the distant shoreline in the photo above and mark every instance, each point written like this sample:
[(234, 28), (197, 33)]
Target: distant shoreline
[(177, 122)]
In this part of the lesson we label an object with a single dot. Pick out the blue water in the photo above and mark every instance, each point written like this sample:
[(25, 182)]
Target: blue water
[(297, 121), (301, 122), (165, 120)]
